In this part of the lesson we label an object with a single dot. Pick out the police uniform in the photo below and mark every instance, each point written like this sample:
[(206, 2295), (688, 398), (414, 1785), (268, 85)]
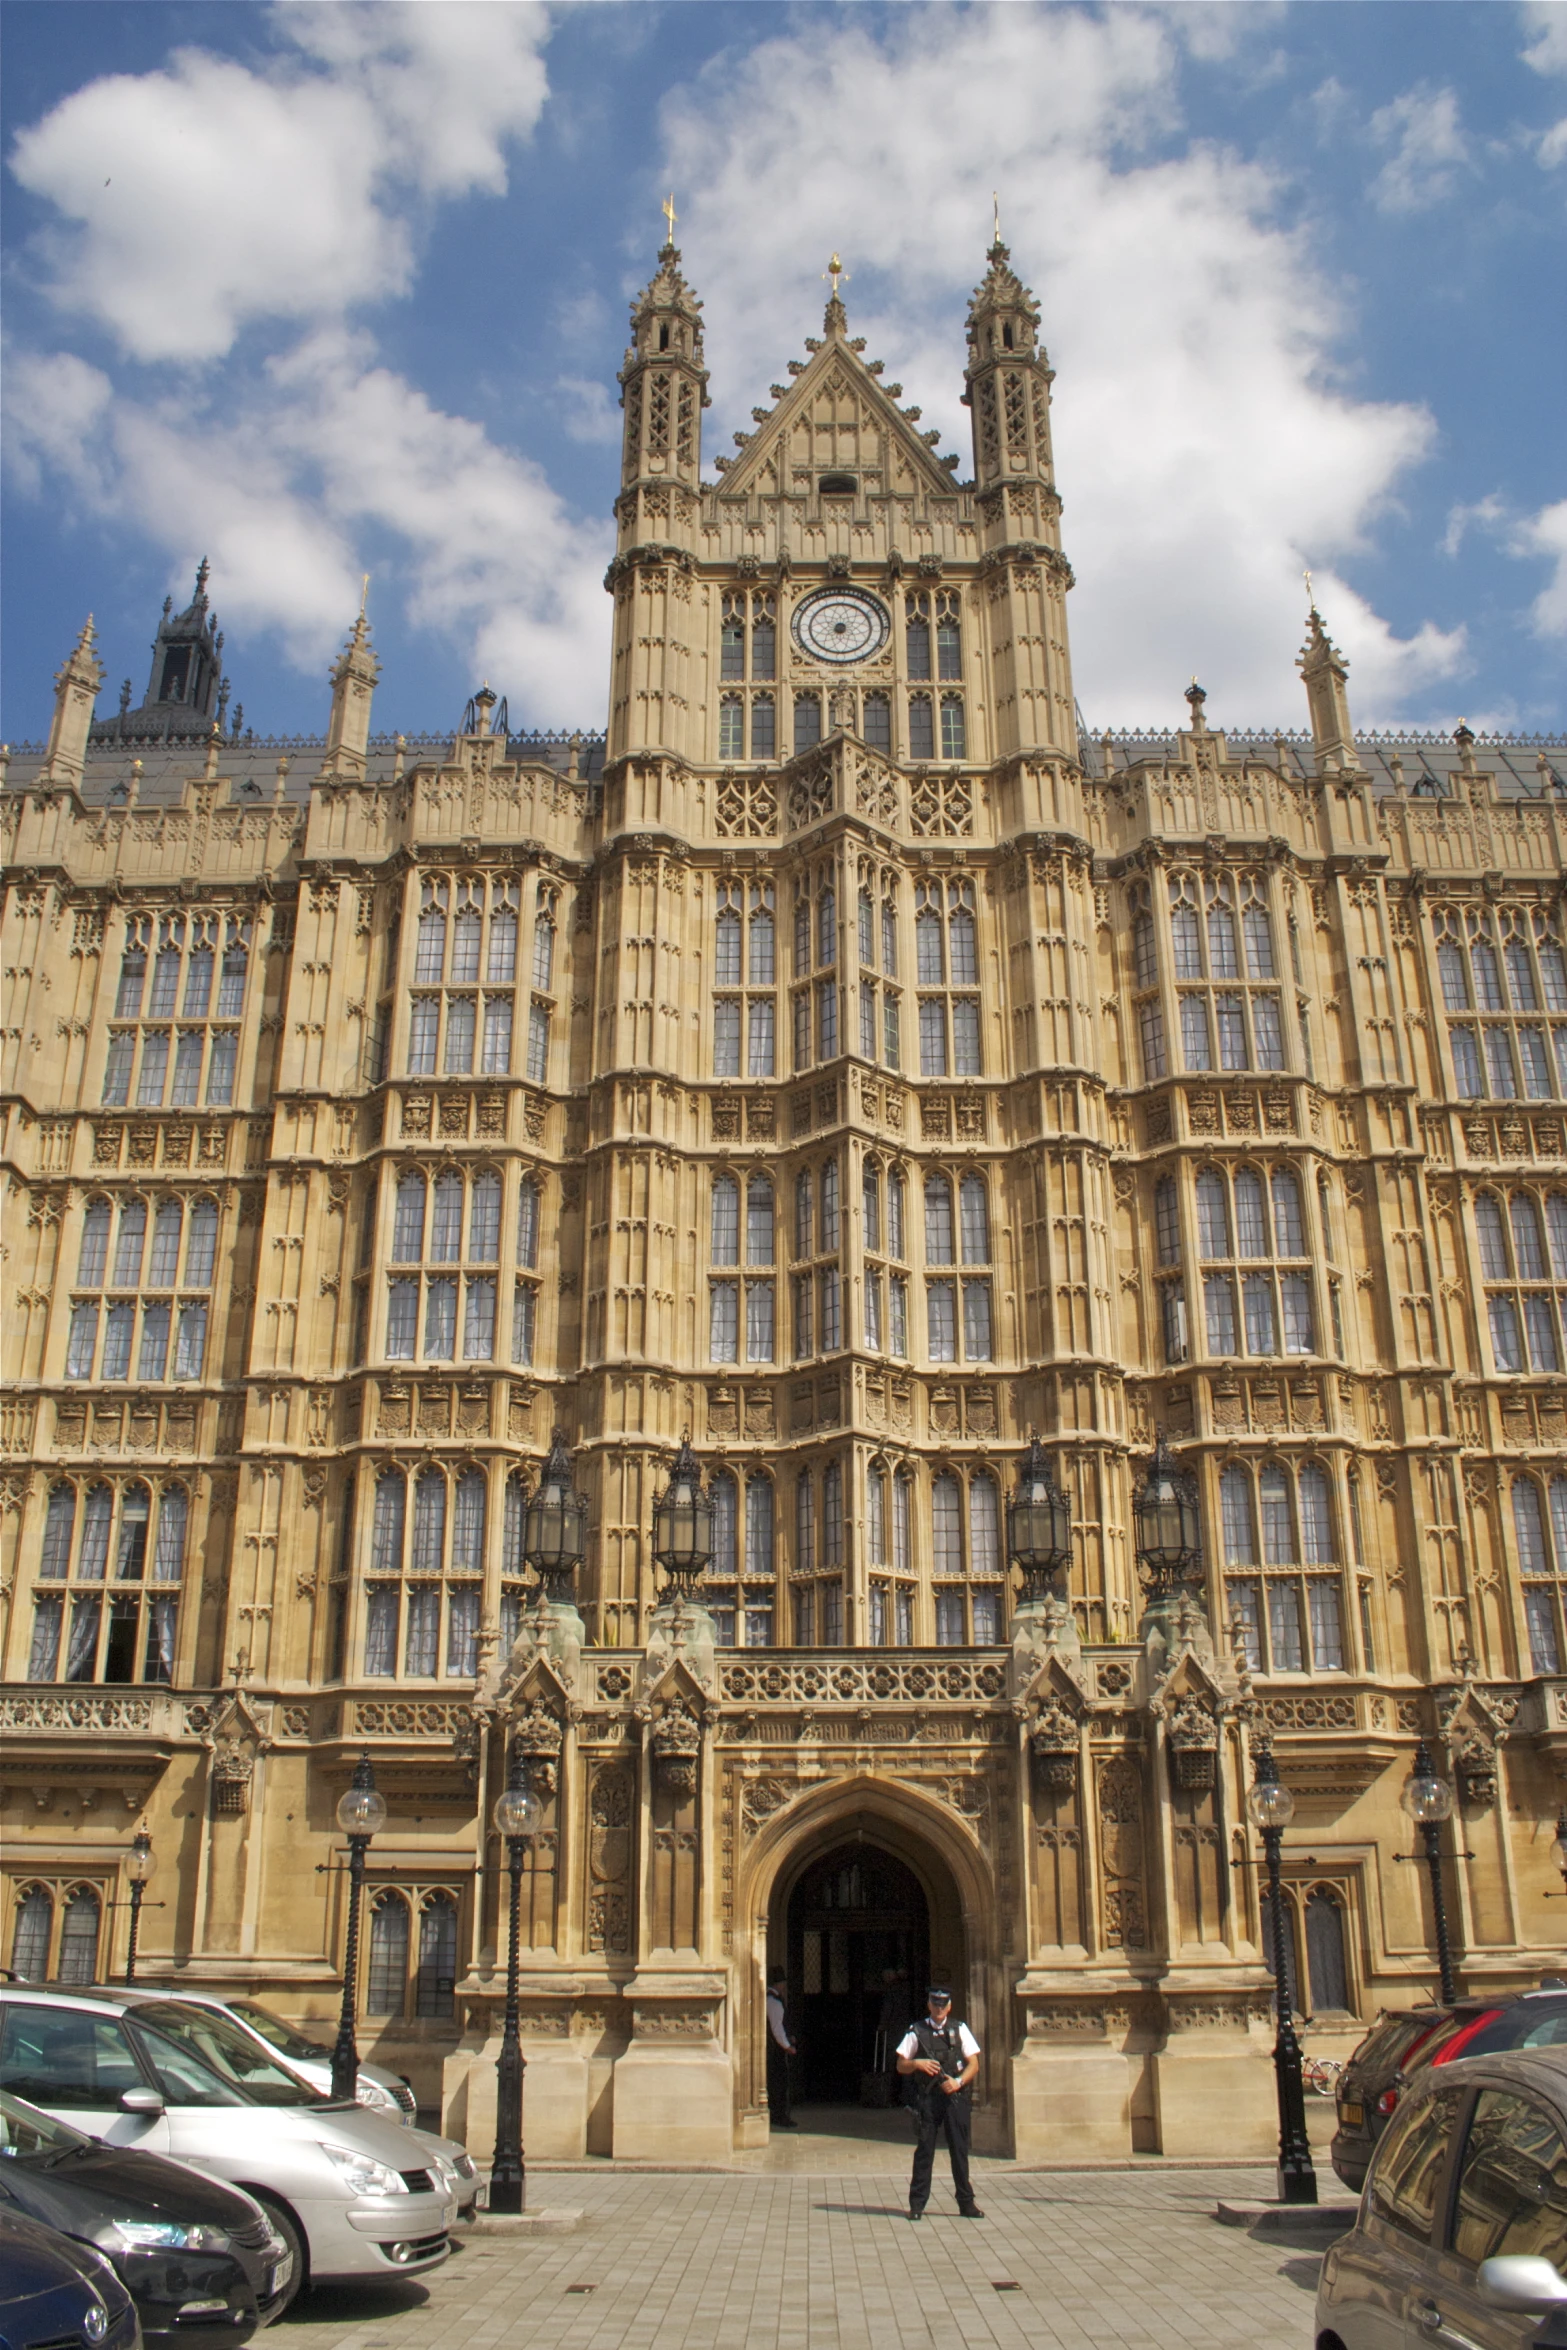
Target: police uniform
[(940, 2112)]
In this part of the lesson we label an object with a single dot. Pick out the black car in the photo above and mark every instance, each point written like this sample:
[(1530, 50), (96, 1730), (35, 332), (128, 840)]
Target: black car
[(56, 2292), (200, 2260), (1405, 2041)]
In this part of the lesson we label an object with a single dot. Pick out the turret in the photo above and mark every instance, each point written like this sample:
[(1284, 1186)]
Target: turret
[(354, 678), (76, 686), (186, 688), (1007, 379), (664, 383), (1324, 669)]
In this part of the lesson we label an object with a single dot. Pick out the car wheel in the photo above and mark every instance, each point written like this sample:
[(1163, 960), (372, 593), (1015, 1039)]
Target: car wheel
[(289, 2229)]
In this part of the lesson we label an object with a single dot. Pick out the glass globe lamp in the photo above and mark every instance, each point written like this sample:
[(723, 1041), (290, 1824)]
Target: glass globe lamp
[(1426, 1798), (518, 1812), (141, 1862), (361, 1811)]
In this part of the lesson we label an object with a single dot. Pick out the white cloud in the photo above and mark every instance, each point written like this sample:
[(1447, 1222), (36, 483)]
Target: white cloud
[(1544, 536), (328, 454), (1206, 449), (1484, 512), (587, 412), (1547, 53), (1423, 129), (211, 194)]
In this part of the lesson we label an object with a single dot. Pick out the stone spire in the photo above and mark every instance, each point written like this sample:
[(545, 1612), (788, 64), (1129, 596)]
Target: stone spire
[(354, 676), (1324, 669), (76, 686), (1007, 378), (664, 382), (186, 688)]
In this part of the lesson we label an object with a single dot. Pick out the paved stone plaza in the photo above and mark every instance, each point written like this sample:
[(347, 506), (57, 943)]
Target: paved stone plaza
[(797, 2258)]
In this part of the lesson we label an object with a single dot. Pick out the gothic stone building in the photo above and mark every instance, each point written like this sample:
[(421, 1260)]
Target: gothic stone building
[(848, 1058)]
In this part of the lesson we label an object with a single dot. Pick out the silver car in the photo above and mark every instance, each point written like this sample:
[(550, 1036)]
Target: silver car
[(313, 2064), (1460, 2242), (176, 2078)]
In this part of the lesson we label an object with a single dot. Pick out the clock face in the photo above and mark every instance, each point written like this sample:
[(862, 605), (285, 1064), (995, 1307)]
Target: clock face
[(841, 624)]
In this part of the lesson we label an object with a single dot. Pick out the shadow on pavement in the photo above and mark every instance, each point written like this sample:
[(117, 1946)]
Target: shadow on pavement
[(1305, 2273), (344, 2305)]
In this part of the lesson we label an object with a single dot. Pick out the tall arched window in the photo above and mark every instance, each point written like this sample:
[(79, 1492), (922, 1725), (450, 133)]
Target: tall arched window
[(468, 1524), (938, 1221), (386, 1557), (975, 1221), (484, 1218), (446, 1223), (1541, 1536), (387, 1971), (435, 1981), (30, 1934), (79, 1926), (408, 1220), (726, 1221), (759, 1221), (94, 1253), (59, 1522), (1288, 1619), (528, 1224), (1327, 1973), (1213, 1220)]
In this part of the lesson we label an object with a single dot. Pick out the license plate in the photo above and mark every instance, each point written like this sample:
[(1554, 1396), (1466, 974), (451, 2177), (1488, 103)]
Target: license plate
[(278, 2274), (1352, 2116)]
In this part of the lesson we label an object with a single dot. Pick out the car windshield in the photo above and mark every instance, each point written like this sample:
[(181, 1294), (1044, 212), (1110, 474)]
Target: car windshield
[(280, 2035), (27, 2135), (202, 2057)]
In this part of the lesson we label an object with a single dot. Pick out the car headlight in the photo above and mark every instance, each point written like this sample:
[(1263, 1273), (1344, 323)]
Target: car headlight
[(149, 2235), (361, 2174), (371, 2093)]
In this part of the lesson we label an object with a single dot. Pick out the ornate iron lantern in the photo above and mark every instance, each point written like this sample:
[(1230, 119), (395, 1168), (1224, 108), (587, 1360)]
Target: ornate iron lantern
[(555, 1533), (1167, 1522), (1039, 1526), (683, 1524)]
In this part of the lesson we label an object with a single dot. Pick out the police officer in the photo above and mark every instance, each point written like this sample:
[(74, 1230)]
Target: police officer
[(939, 2060)]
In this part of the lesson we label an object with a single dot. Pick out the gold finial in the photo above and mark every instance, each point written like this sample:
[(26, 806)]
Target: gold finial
[(836, 271), (671, 216)]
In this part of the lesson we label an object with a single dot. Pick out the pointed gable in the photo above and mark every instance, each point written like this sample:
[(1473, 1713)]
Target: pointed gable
[(836, 418)]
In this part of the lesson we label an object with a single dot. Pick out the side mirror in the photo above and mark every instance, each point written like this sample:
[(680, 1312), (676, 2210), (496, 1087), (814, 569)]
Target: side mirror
[(1520, 2280), (143, 2101)]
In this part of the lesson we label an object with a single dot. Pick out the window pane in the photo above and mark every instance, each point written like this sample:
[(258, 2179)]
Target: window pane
[(1284, 1641), (1261, 1335), (1327, 1632), (1240, 1541), (1299, 1333), (1466, 1064), (763, 967), (764, 726), (1506, 1343), (478, 1328), (93, 1564), (201, 1248), (154, 1351), (726, 958), (1267, 1028), (1167, 1221), (725, 1248), (502, 965), (436, 1978), (877, 725), (1232, 1032), (938, 1221), (186, 1090), (1259, 942), (388, 1955), (940, 1320), (524, 1317), (807, 722), (461, 1013), (484, 1219), (119, 1324), (954, 729), (759, 1322), (759, 1526), (82, 1342), (723, 1322), (830, 1204), (965, 1037), (1278, 1533), (429, 1544), (898, 1317), (497, 1035), (382, 1611), (933, 1038), (950, 1628), (1498, 1064), (761, 1060), (731, 720), (446, 1223), (976, 1321), (922, 727), (1184, 943), (1151, 1025), (726, 1039), (827, 1019), (423, 1028), (424, 1631), (430, 954), (538, 1043), (440, 1320), (867, 1020), (1325, 1967), (1213, 1223), (975, 1221), (831, 1303), (1251, 1223), (528, 1225), (1219, 1306), (1195, 1047), (758, 1222)]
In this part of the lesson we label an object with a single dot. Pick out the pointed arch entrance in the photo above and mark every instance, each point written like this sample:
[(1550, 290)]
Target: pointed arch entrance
[(861, 1898)]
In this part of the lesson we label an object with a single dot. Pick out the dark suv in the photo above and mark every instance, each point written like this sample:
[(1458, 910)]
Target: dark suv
[(1404, 2041)]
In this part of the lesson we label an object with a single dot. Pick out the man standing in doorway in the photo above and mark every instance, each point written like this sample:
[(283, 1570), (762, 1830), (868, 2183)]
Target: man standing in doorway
[(940, 2059), (780, 2047)]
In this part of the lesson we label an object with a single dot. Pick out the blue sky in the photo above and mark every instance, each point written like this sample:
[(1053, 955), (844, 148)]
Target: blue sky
[(316, 290)]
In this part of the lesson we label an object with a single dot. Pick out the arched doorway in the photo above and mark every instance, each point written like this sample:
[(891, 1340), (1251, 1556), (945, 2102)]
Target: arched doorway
[(858, 1960)]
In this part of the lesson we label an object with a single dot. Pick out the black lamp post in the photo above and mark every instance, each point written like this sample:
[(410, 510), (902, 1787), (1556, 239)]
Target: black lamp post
[(1167, 1524), (361, 1814), (139, 1869), (555, 1535), (683, 1525), (1559, 1848), (1272, 1807), (1428, 1800), (1039, 1528), (517, 1815)]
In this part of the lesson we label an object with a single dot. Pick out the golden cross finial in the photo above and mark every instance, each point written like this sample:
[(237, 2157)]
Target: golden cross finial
[(668, 210), (835, 270)]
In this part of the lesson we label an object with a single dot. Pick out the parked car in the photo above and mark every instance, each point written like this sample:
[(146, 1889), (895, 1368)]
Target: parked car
[(59, 2294), (1461, 2236), (200, 2260), (170, 2077), (383, 2091), (452, 2162), (1400, 2043)]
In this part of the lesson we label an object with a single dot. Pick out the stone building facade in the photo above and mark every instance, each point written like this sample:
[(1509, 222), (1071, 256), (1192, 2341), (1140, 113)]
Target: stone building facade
[(852, 1060)]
